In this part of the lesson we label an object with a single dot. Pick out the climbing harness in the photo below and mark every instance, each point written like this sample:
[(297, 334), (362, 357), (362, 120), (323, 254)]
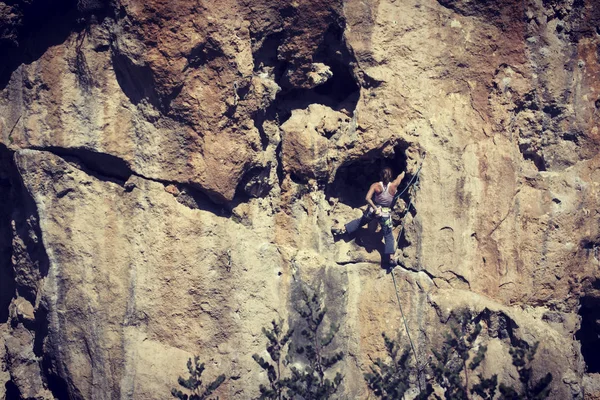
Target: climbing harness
[(386, 221), (385, 211)]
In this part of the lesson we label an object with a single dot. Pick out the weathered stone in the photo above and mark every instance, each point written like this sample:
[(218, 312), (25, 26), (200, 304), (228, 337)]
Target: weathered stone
[(24, 364), (320, 74), (22, 310), (170, 172), (305, 143), (4, 374)]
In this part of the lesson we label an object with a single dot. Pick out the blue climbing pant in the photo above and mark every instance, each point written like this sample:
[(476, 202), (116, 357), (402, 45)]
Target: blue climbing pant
[(385, 221)]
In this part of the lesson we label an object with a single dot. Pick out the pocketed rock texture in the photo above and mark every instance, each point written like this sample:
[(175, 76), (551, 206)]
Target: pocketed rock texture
[(170, 172)]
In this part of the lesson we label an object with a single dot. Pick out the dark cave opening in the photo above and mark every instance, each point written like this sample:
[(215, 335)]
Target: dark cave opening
[(12, 391), (589, 332), (266, 54), (7, 276), (43, 24), (353, 179), (341, 86), (340, 92)]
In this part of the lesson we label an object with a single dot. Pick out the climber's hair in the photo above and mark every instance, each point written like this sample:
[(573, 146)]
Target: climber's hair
[(386, 175)]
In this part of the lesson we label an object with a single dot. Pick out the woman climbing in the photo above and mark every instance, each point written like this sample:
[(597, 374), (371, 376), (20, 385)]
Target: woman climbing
[(380, 199)]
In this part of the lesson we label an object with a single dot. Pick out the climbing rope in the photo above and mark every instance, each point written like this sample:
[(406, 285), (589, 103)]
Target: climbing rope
[(412, 179), (407, 332), (413, 182), (407, 210)]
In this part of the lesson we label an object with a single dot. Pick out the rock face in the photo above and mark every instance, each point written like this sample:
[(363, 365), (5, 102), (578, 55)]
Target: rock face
[(170, 171)]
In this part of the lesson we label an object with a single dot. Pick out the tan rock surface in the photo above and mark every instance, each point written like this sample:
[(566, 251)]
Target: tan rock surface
[(170, 171)]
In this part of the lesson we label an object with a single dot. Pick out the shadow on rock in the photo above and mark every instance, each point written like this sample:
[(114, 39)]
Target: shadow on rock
[(369, 238)]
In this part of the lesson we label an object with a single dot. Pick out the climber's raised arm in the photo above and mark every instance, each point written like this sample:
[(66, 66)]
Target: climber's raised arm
[(396, 182)]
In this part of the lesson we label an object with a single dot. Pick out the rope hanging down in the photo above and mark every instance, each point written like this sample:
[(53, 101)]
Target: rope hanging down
[(413, 182), (407, 332)]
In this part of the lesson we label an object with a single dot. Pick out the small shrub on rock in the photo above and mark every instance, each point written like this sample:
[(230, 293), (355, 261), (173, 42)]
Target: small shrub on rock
[(193, 384), (452, 359), (389, 380), (522, 354), (303, 372), (308, 379), (276, 344)]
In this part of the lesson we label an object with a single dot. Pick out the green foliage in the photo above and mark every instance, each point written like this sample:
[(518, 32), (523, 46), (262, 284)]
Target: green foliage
[(309, 351), (275, 346), (486, 388), (478, 357), (453, 357), (194, 385), (390, 380), (310, 348), (522, 354)]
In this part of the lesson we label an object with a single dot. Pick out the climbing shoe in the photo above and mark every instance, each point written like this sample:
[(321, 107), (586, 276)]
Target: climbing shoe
[(390, 264), (337, 232)]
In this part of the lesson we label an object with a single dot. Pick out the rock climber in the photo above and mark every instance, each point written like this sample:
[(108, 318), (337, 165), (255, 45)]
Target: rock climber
[(379, 198)]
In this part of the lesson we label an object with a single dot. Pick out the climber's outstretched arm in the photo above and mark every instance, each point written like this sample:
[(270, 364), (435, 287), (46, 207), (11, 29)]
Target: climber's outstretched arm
[(397, 181)]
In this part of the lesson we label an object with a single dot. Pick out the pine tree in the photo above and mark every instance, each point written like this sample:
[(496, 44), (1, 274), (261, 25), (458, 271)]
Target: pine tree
[(453, 358), (522, 354), (486, 388), (194, 385), (275, 346), (390, 380), (309, 382)]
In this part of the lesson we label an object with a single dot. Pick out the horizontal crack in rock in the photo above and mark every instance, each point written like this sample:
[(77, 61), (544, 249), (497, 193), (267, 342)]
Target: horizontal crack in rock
[(354, 262), (460, 278), (109, 168), (102, 166), (414, 270)]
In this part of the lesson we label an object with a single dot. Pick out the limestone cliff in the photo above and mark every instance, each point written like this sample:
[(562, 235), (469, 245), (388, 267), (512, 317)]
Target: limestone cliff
[(170, 171)]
